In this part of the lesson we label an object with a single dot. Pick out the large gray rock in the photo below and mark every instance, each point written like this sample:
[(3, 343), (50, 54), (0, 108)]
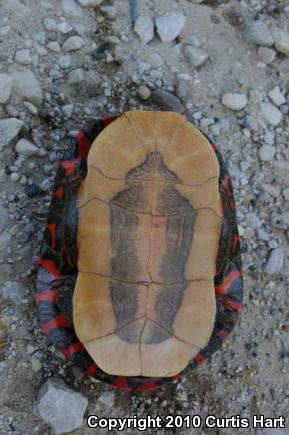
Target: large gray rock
[(167, 101), (5, 87), (60, 406), (144, 28), (271, 114), (170, 26), (9, 128), (26, 85), (258, 33), (275, 262)]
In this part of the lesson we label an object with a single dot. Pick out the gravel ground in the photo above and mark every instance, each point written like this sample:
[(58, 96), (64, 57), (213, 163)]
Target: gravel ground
[(223, 63)]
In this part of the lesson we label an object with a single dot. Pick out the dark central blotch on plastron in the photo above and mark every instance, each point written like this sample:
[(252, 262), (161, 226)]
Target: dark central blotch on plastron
[(180, 218)]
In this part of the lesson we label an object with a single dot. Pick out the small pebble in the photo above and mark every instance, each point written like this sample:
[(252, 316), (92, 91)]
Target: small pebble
[(195, 56), (144, 28), (50, 24), (144, 92), (75, 76), (258, 33), (170, 26), (271, 114), (234, 101), (73, 43), (267, 55), (276, 96), (23, 56), (281, 41), (267, 153), (65, 27), (54, 46)]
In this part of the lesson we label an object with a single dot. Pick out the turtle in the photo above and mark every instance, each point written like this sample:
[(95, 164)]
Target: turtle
[(139, 278)]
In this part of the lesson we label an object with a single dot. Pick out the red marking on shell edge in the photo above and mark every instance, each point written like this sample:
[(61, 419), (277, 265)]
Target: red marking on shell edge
[(199, 358), (90, 371), (235, 241), (59, 192), (235, 306), (223, 334), (121, 382), (214, 146), (70, 350), (107, 120), (50, 266), (59, 321), (52, 228), (68, 166), (48, 295), (222, 289), (84, 145)]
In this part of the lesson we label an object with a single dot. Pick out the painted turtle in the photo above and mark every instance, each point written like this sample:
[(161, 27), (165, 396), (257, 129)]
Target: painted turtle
[(139, 277)]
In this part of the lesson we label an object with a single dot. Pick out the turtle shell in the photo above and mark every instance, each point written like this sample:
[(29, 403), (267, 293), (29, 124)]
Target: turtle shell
[(142, 211)]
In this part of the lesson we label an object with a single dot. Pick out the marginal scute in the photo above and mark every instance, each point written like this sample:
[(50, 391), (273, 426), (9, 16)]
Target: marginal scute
[(149, 222)]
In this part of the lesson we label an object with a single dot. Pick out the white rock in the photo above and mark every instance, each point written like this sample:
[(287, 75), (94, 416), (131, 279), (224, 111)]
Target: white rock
[(65, 27), (75, 76), (32, 109), (60, 406), (275, 262), (271, 114), (70, 7), (5, 239), (89, 3), (267, 55), (28, 149), (144, 28), (26, 85), (9, 128), (234, 101), (258, 33), (267, 153), (5, 87), (65, 61), (54, 46), (170, 26), (276, 96), (281, 41), (23, 56), (144, 92), (50, 24), (195, 56), (73, 43), (68, 110)]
